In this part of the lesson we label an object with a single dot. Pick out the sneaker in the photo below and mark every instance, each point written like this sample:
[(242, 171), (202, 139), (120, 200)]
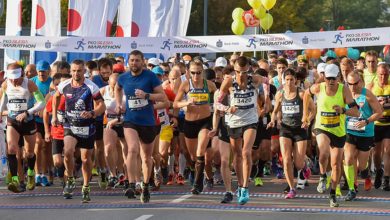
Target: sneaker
[(218, 177), (23, 186), (121, 180), (286, 190), (95, 172), (112, 181), (338, 191), (180, 179), (138, 189), (307, 172), (386, 184), (45, 181), (378, 178), (301, 183), (209, 183), (266, 169), (367, 184), (130, 191), (291, 194), (30, 180), (244, 198), (258, 181), (14, 185), (170, 180), (227, 197), (279, 173), (333, 201), (191, 177), (70, 185), (85, 194), (157, 180), (145, 194), (195, 190), (321, 188), (38, 180), (351, 195), (102, 181), (165, 176)]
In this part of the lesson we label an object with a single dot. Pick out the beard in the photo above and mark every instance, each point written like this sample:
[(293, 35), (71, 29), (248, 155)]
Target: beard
[(135, 69), (218, 85)]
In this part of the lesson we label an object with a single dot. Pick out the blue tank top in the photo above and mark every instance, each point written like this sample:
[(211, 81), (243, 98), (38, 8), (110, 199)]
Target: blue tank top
[(98, 80), (276, 82), (365, 112), (139, 111), (44, 88)]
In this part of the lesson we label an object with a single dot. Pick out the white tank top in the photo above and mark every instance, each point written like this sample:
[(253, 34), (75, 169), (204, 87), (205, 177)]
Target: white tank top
[(18, 99), (110, 103)]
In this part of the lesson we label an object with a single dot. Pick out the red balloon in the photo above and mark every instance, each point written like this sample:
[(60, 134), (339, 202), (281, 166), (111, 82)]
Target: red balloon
[(386, 50), (250, 19)]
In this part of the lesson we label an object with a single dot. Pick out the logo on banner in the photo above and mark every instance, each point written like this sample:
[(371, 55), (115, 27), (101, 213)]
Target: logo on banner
[(275, 41), (133, 45), (305, 40), (252, 42), (48, 44), (338, 38), (18, 44), (166, 44), (361, 37), (219, 43), (80, 45)]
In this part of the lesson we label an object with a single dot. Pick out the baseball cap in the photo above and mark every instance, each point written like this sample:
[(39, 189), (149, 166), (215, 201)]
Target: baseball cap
[(118, 68), (321, 67), (221, 61), (154, 61), (158, 70), (13, 74), (332, 70), (43, 65)]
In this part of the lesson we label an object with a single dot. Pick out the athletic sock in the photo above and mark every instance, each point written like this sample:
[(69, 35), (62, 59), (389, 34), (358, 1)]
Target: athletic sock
[(182, 164), (350, 175)]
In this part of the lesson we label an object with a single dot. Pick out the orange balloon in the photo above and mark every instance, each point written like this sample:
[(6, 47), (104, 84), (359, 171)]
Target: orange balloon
[(316, 53), (342, 51), (309, 53)]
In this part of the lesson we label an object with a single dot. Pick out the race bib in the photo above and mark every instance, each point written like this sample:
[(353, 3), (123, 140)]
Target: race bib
[(244, 100), (111, 117), (84, 131), (265, 121), (199, 98), (135, 104), (351, 125), (290, 109), (61, 116), (330, 119), (17, 105), (163, 117)]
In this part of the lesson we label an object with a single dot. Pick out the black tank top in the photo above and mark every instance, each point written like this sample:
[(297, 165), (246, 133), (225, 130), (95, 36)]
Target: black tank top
[(292, 110)]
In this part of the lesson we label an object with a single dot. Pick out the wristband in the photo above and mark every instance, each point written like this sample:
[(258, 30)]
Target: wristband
[(147, 96), (344, 110), (367, 121)]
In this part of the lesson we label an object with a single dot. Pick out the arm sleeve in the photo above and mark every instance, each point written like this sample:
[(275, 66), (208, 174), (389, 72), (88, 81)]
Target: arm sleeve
[(40, 103)]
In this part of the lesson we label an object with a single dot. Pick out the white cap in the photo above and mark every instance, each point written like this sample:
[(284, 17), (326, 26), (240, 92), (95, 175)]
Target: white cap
[(221, 61), (14, 74), (205, 60), (332, 70), (321, 67), (154, 61)]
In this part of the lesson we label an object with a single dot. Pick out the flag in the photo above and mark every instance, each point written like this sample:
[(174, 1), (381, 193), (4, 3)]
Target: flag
[(13, 27), (89, 18), (184, 15), (45, 21)]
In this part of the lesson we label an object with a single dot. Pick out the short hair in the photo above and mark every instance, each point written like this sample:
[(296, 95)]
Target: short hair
[(57, 64), (227, 70), (164, 64), (57, 76), (63, 65), (113, 60), (372, 53), (104, 62), (301, 73), (242, 61), (282, 61), (137, 53), (209, 74), (289, 72), (218, 68), (384, 66), (195, 63), (91, 65), (261, 72), (15, 65)]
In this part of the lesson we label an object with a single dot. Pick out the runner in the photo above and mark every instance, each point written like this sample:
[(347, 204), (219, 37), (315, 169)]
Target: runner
[(18, 92), (83, 102), (141, 87), (330, 125)]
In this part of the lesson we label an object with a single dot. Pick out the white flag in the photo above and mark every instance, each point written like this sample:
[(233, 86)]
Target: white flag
[(13, 27)]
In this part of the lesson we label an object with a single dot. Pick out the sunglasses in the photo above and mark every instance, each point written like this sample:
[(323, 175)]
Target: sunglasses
[(353, 84), (196, 73), (331, 78), (241, 72)]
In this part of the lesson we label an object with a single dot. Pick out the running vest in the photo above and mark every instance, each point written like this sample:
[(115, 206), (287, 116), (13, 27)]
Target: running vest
[(292, 110), (327, 119), (200, 96), (245, 102), (19, 99), (276, 82), (365, 112), (383, 94), (110, 103), (369, 77)]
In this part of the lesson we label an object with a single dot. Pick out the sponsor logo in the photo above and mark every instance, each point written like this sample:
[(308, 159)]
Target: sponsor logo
[(133, 45), (103, 45), (166, 44), (219, 43), (48, 44), (361, 37), (274, 41), (305, 40), (338, 38), (252, 42), (180, 44), (19, 44), (80, 45)]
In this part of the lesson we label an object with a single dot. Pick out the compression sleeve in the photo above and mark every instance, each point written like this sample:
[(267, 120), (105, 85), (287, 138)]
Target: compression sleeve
[(40, 103)]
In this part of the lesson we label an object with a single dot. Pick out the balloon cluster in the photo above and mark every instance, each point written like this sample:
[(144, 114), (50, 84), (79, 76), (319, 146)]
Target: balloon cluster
[(337, 52), (254, 17)]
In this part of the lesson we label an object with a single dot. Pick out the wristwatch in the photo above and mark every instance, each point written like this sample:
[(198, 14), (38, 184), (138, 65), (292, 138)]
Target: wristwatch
[(367, 121), (147, 96), (93, 113)]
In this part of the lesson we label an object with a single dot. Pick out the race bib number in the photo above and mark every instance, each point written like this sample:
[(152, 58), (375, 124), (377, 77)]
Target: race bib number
[(61, 116), (290, 109), (244, 100), (265, 121), (199, 98), (351, 125), (80, 130), (163, 117), (135, 104), (17, 105), (111, 117), (330, 119)]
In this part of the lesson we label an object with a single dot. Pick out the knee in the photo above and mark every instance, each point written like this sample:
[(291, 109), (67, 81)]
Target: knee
[(58, 163), (299, 164)]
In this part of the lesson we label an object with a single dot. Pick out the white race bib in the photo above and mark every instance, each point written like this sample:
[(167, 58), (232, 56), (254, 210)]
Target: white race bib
[(137, 103), (163, 117), (351, 125), (290, 109), (244, 100), (61, 116), (80, 130), (17, 105), (265, 121)]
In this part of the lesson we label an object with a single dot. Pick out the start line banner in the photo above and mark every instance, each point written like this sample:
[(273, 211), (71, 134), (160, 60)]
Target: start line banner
[(202, 44)]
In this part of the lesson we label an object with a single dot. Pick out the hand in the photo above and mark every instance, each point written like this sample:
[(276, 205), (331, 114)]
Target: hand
[(174, 122), (271, 124), (231, 110), (360, 124), (47, 136), (190, 101), (262, 113), (39, 114), (21, 117), (305, 124), (118, 109), (111, 124), (86, 114), (212, 133), (338, 109), (54, 121), (140, 94)]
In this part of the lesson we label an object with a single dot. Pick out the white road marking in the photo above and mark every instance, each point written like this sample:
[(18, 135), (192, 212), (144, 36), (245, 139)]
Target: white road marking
[(181, 198), (144, 217)]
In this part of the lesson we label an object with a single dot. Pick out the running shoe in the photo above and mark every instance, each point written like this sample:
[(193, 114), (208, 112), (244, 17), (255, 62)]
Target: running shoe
[(130, 191), (218, 177), (386, 184), (138, 189), (266, 169), (333, 201), (171, 180), (180, 179), (351, 195), (30, 179), (338, 191), (209, 184), (102, 181), (95, 172), (121, 180), (321, 188), (196, 190), (145, 194), (367, 184), (157, 180), (23, 186), (258, 181), (38, 180), (301, 183), (227, 197), (279, 173), (164, 174), (14, 185), (45, 181), (291, 194), (70, 185), (378, 178), (286, 190), (85, 198), (112, 181), (244, 198)]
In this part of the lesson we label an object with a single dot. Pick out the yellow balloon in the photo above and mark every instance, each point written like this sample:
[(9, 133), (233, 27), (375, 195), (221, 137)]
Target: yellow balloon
[(238, 27), (259, 12), (254, 3), (267, 21), (237, 14), (363, 54), (268, 4)]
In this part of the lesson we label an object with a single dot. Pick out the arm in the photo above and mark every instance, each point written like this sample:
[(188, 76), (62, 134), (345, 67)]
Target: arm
[(99, 106), (3, 96), (376, 107), (178, 103), (216, 118), (118, 98), (161, 105), (40, 100), (314, 89), (353, 110), (56, 102), (46, 125), (278, 102), (223, 92)]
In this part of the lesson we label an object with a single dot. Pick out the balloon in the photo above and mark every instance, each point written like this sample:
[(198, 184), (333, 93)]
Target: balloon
[(237, 14), (308, 53), (355, 54), (341, 51), (316, 53), (331, 53), (268, 4), (254, 3), (249, 19), (363, 54), (267, 21), (238, 27), (259, 12), (380, 60), (386, 50)]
